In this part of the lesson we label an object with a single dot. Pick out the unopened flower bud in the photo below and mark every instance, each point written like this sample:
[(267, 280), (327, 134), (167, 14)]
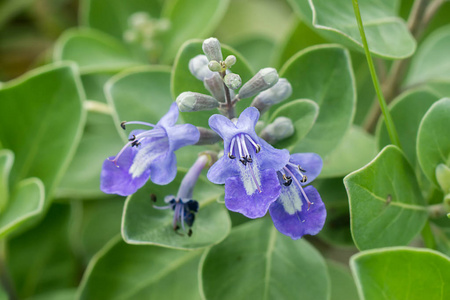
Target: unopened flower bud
[(207, 136), (280, 129), (230, 61), (211, 47), (232, 81), (263, 80), (443, 177), (279, 92), (214, 66), (198, 66), (190, 101), (214, 85)]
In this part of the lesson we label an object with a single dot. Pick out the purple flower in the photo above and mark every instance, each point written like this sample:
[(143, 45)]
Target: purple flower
[(299, 211), (148, 154), (183, 205), (248, 167)]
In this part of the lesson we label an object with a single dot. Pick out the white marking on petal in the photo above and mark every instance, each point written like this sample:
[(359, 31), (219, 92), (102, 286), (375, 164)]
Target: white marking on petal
[(247, 178), (142, 161), (290, 199)]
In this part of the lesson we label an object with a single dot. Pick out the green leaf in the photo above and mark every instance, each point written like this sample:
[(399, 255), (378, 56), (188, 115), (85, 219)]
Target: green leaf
[(63, 294), (93, 51), (45, 106), (336, 230), (188, 20), (183, 80), (154, 272), (256, 261), (440, 87), (52, 264), (6, 163), (256, 49), (355, 150), (115, 21), (26, 201), (141, 94), (431, 60), (407, 111), (100, 140), (303, 113), (401, 273), (386, 205), (387, 34), (342, 285), (433, 141), (94, 231), (93, 84), (324, 75), (299, 37), (143, 224)]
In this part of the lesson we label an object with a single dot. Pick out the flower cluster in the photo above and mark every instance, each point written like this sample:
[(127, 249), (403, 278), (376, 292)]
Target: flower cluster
[(258, 177)]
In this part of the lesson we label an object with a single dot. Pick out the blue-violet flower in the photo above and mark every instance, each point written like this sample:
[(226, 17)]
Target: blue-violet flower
[(148, 154), (183, 205), (248, 166), (299, 211)]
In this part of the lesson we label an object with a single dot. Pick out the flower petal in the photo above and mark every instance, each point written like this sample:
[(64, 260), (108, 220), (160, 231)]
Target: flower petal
[(222, 169), (223, 126), (248, 119), (311, 162), (181, 136), (116, 179), (150, 150), (270, 157), (170, 118), (292, 222), (164, 169), (254, 205)]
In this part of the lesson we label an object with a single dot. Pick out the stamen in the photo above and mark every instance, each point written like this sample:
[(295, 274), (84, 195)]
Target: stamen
[(240, 150), (254, 179), (132, 138), (257, 146), (182, 215), (299, 185), (301, 169), (304, 179), (248, 157), (122, 124), (116, 158), (230, 154)]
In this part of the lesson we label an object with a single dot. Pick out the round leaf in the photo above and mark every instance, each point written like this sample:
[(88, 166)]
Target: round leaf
[(324, 75), (342, 285), (433, 140), (386, 205), (387, 34), (153, 272), (256, 261), (303, 113), (401, 273), (93, 51)]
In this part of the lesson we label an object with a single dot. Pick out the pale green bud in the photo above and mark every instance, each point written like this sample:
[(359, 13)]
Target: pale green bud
[(214, 66), (232, 81), (211, 48), (230, 61), (207, 137), (190, 101), (280, 129), (263, 80), (443, 177)]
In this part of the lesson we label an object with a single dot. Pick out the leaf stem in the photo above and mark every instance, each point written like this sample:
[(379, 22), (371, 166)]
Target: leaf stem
[(428, 237), (387, 116)]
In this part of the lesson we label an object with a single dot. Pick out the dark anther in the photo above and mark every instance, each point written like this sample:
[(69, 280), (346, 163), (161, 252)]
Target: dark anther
[(301, 169), (231, 155), (258, 148), (189, 232), (304, 179), (122, 124), (243, 160), (249, 159), (135, 143), (176, 227), (132, 138), (153, 197), (288, 180)]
